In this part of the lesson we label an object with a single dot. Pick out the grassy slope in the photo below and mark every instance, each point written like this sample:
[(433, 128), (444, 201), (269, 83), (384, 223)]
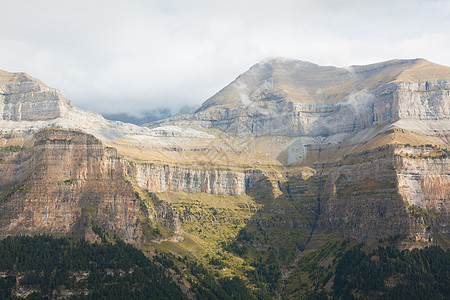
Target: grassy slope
[(243, 235), (247, 234)]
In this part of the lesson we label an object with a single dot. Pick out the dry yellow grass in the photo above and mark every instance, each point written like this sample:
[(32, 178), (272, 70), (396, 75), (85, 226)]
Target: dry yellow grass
[(225, 152), (402, 137), (5, 76), (424, 70), (8, 77)]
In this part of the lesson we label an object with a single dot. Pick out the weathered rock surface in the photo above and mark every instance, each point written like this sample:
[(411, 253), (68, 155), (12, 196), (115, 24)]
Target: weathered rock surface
[(362, 201), (23, 98), (373, 199), (68, 179), (298, 99), (66, 182), (28, 106), (425, 183), (164, 178)]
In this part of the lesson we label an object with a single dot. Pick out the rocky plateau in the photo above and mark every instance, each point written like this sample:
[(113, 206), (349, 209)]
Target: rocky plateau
[(360, 151)]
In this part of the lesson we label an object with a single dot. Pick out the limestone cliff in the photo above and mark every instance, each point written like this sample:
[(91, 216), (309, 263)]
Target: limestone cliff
[(23, 98), (64, 183), (298, 99), (424, 181), (361, 200), (68, 180), (380, 193), (27, 106), (268, 126), (164, 178)]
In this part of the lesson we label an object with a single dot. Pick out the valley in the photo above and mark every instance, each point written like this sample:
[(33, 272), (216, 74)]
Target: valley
[(274, 180)]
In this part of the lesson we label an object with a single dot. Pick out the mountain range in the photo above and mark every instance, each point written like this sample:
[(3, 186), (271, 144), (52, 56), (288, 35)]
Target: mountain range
[(289, 157)]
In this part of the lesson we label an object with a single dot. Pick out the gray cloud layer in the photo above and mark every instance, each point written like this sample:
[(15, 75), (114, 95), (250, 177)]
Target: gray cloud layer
[(131, 56)]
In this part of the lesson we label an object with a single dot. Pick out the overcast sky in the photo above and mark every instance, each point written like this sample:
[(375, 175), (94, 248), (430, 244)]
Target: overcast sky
[(136, 55)]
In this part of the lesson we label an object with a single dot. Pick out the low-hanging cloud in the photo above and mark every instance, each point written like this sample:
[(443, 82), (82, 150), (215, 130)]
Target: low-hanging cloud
[(133, 56), (360, 104)]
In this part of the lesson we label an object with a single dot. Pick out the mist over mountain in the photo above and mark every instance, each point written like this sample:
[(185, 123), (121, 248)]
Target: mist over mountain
[(293, 181), (149, 116)]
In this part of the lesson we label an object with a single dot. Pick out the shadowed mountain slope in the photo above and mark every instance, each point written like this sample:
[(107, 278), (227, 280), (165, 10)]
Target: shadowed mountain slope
[(288, 160)]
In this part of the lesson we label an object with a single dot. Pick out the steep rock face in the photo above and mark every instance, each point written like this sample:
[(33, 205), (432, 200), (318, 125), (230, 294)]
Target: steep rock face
[(23, 98), (162, 214), (164, 178), (28, 106), (425, 183), (387, 104), (429, 100), (68, 181), (298, 99), (378, 194), (14, 167), (361, 199)]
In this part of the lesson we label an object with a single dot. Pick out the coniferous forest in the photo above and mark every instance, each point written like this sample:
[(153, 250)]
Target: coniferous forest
[(389, 273), (106, 271), (44, 267)]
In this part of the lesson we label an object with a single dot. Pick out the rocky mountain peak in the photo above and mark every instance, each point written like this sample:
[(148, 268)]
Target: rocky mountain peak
[(289, 80), (24, 98), (8, 77), (288, 147), (284, 62)]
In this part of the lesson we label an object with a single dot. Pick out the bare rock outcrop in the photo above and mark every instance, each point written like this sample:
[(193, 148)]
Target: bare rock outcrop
[(300, 99), (23, 98), (387, 104), (361, 200), (424, 183), (164, 178), (387, 196), (66, 182)]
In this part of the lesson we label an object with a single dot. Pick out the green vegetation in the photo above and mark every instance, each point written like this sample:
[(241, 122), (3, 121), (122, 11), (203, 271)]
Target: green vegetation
[(389, 273), (15, 148), (48, 265), (6, 190), (416, 212), (54, 141), (253, 236), (428, 151), (367, 185), (210, 224), (206, 286), (312, 278), (346, 270), (341, 269)]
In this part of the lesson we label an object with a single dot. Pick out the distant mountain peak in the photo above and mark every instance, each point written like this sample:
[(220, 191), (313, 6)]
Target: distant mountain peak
[(283, 60), (17, 77), (291, 80)]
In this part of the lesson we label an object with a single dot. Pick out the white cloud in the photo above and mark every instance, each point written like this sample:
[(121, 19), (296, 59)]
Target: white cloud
[(131, 56)]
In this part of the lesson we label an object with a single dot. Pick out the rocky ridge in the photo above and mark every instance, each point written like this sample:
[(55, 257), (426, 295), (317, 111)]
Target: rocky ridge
[(301, 99), (65, 183), (342, 111)]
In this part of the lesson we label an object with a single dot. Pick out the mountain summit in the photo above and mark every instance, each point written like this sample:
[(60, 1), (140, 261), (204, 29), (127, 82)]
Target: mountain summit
[(327, 104), (289, 80), (283, 170)]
